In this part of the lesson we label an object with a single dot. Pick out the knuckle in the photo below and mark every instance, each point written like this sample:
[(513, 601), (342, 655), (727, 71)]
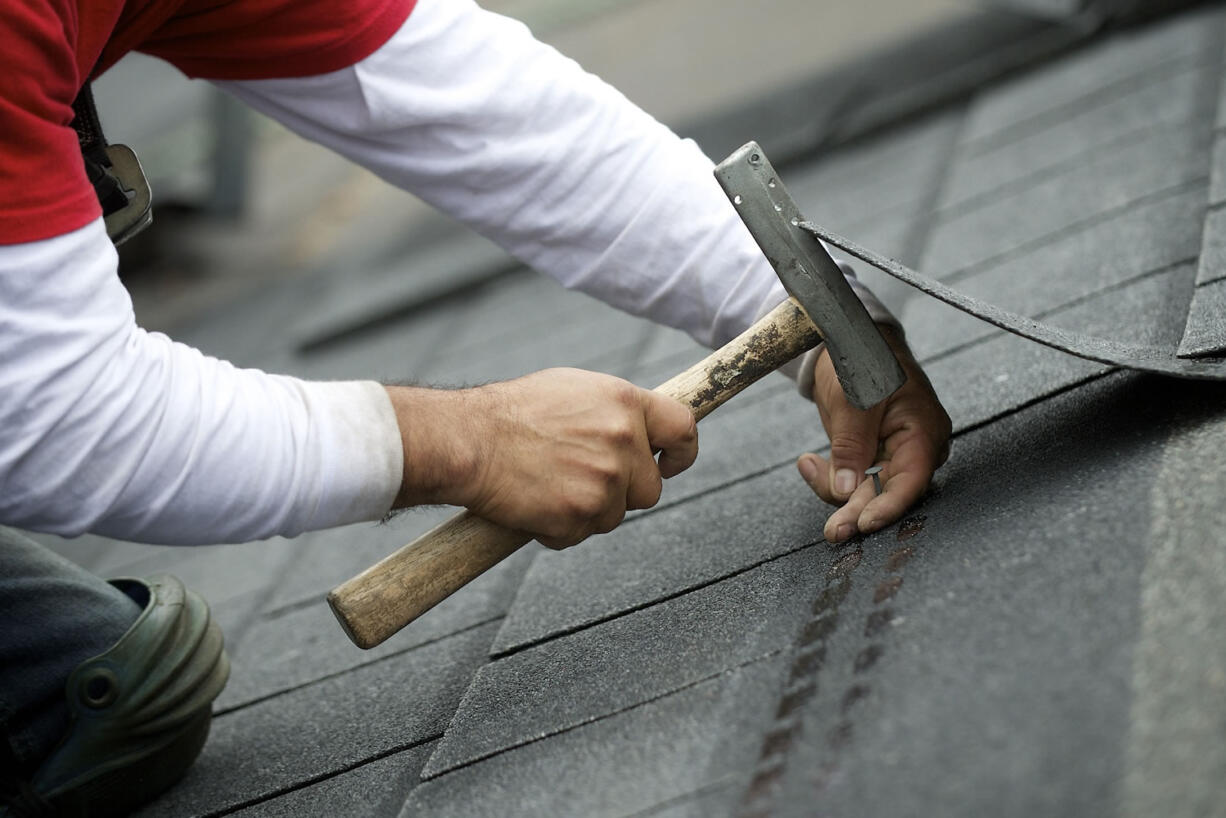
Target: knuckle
[(622, 431), (582, 506), (846, 447), (610, 521), (606, 475), (625, 393), (649, 489)]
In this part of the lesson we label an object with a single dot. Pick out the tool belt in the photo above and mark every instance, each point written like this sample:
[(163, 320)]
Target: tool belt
[(115, 173)]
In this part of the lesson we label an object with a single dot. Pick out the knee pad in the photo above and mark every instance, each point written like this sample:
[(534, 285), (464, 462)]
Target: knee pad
[(141, 710)]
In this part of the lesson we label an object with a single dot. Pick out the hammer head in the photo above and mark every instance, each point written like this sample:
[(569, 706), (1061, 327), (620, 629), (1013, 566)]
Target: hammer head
[(863, 360)]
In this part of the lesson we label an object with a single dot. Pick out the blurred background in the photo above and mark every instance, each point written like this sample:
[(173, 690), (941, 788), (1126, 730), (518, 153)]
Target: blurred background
[(241, 204)]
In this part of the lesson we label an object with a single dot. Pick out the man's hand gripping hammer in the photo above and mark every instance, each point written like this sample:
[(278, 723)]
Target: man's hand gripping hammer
[(395, 591)]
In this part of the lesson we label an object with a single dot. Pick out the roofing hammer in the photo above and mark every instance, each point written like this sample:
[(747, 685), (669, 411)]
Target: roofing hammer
[(392, 593)]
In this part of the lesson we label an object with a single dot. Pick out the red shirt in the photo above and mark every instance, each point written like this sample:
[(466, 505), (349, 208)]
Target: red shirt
[(48, 48)]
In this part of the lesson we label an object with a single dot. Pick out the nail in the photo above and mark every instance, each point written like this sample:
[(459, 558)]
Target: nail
[(844, 481), (875, 473), (808, 470), (845, 531)]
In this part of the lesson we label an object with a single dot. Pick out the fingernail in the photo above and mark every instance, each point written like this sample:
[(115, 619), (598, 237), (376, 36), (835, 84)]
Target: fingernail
[(808, 469), (845, 531), (844, 481)]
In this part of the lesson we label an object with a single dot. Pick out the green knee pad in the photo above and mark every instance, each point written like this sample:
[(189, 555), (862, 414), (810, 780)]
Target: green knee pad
[(141, 711)]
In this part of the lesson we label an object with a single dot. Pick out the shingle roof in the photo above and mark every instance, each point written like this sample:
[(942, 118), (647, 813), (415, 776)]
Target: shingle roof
[(1042, 635)]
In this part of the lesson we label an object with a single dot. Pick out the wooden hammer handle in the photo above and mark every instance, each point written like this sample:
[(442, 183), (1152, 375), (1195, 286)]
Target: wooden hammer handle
[(393, 592)]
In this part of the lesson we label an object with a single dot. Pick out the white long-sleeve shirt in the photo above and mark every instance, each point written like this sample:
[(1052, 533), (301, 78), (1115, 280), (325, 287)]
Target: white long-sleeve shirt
[(107, 428)]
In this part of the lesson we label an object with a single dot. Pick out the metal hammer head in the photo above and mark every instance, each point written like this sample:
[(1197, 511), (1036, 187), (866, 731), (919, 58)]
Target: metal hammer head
[(862, 358)]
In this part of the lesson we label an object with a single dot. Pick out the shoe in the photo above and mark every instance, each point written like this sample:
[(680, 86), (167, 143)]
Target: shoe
[(140, 712)]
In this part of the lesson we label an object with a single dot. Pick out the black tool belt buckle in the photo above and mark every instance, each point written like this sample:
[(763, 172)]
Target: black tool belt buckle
[(129, 219)]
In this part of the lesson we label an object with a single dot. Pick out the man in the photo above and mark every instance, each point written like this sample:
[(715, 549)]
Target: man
[(109, 429)]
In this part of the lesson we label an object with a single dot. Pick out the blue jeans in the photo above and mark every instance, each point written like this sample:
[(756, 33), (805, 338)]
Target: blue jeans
[(53, 616)]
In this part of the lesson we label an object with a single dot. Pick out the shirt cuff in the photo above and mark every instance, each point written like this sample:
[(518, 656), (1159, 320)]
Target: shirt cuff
[(362, 458)]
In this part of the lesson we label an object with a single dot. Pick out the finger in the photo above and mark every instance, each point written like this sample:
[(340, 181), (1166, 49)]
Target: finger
[(905, 478), (843, 524), (816, 471), (854, 435), (645, 485), (672, 430), (558, 543)]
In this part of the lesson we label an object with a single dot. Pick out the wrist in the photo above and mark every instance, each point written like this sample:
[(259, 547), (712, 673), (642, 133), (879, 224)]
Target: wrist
[(441, 446)]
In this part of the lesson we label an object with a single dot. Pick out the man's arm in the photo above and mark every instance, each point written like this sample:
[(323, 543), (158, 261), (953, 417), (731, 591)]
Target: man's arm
[(107, 428), (467, 110)]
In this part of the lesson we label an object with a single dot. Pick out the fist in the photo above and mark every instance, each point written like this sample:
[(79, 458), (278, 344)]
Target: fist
[(560, 454)]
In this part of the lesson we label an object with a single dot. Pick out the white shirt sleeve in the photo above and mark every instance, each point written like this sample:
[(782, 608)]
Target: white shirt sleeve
[(107, 428), (466, 109)]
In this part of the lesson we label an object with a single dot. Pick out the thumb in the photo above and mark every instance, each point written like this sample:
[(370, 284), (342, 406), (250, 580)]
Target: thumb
[(854, 435)]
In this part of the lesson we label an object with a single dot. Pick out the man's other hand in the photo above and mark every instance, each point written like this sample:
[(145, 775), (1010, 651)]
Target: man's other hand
[(559, 454), (907, 435)]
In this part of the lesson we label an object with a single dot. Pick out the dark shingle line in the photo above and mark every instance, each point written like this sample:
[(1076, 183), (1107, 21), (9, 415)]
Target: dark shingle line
[(1042, 397), (1039, 175), (741, 478), (293, 606), (808, 660), (723, 783), (1206, 64), (316, 779), (349, 669), (958, 83), (550, 733), (397, 313), (993, 332), (581, 626), (846, 164), (1204, 279), (880, 618), (1104, 95), (1070, 229), (902, 209), (919, 235)]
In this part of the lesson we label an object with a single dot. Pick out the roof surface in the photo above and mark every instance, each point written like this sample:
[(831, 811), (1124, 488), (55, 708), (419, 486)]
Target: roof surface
[(1041, 635)]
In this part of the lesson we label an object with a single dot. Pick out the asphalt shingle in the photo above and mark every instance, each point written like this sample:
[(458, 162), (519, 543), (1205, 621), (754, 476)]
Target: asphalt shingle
[(893, 173), (1107, 184), (304, 644), (650, 755), (324, 559), (377, 788), (328, 727), (1146, 238), (630, 660), (1167, 98), (663, 554), (1205, 332), (1005, 372), (1125, 60), (1002, 663)]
